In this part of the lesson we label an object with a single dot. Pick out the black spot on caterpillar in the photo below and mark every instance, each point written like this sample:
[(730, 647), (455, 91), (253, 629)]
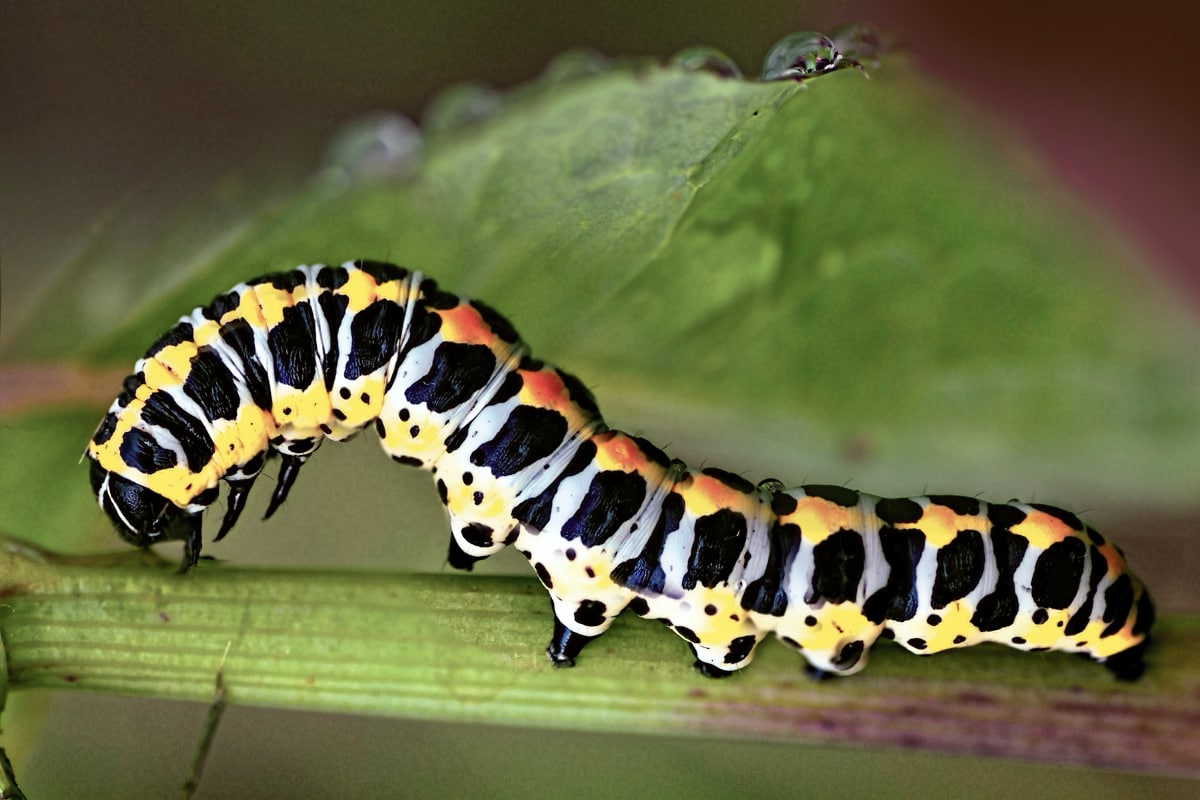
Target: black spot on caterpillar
[(607, 520)]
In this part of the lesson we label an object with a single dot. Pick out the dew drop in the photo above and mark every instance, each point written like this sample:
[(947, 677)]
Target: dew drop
[(458, 107), (706, 59), (854, 40), (771, 485), (379, 145), (799, 56), (575, 64)]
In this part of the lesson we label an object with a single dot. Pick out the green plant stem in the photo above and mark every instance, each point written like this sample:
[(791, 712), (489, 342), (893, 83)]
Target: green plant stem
[(469, 648)]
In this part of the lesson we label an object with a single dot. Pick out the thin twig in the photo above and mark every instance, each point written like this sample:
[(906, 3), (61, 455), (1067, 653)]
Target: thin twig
[(215, 711), (470, 648)]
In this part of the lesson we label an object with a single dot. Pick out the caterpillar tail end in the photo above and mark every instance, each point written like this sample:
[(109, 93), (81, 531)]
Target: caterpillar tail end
[(710, 670), (1128, 665), (817, 674), (565, 645)]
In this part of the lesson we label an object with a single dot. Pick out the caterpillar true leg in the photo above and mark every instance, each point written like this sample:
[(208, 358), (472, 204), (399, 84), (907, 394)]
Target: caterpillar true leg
[(241, 480), (290, 463)]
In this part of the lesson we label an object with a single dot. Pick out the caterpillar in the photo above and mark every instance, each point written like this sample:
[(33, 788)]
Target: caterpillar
[(522, 457)]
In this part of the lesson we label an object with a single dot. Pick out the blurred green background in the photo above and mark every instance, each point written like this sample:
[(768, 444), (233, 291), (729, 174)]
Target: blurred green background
[(117, 116)]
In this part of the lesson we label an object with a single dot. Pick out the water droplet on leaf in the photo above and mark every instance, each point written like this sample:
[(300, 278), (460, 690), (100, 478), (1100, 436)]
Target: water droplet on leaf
[(706, 59), (379, 145), (460, 106), (575, 64), (799, 56), (857, 41)]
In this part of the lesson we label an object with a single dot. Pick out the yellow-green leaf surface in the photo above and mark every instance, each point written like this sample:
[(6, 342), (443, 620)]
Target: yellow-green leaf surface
[(844, 280)]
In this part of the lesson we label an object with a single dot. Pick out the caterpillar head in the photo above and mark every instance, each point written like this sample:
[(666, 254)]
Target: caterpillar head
[(142, 516)]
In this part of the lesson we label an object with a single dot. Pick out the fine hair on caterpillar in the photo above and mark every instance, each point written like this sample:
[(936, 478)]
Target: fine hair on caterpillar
[(521, 456)]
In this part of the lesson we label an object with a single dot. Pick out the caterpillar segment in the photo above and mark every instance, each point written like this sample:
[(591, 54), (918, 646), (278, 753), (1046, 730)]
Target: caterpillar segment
[(521, 456)]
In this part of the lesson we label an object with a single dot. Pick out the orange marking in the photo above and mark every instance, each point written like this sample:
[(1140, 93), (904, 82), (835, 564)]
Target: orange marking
[(818, 518), (705, 494), (463, 324), (1042, 530), (940, 524), (1116, 563), (543, 389), (616, 451)]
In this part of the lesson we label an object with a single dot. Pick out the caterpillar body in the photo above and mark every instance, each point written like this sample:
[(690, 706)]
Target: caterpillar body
[(521, 457)]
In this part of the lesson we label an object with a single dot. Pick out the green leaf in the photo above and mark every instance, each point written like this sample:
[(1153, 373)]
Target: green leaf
[(45, 491), (847, 279)]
